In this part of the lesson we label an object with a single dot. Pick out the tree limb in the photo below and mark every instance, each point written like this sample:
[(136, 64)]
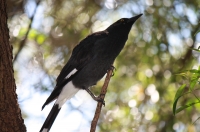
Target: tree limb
[(102, 96), (22, 44), (10, 114)]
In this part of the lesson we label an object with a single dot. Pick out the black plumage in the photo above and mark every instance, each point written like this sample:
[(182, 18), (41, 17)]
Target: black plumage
[(89, 62)]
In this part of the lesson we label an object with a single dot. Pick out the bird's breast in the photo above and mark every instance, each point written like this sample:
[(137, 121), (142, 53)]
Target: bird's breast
[(92, 72)]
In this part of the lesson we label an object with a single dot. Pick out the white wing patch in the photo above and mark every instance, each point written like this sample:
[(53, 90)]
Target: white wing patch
[(68, 91), (71, 73)]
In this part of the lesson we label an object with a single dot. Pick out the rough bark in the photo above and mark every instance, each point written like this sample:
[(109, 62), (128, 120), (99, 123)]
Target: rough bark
[(10, 113)]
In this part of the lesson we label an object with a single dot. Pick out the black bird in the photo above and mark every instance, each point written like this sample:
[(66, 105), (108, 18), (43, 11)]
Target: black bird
[(89, 62)]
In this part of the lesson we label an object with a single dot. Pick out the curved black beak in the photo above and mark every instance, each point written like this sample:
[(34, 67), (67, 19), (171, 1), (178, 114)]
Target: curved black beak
[(133, 19)]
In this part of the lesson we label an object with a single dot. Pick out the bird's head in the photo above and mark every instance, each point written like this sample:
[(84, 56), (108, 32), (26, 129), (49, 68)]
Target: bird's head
[(123, 25)]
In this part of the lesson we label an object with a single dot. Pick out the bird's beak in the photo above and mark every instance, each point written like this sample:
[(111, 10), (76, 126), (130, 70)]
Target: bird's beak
[(133, 19)]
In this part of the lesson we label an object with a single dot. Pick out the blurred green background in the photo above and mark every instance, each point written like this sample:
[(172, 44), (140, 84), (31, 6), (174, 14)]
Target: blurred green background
[(141, 93)]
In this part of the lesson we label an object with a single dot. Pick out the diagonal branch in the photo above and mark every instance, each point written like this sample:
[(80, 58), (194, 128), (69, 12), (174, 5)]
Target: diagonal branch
[(23, 42), (102, 95)]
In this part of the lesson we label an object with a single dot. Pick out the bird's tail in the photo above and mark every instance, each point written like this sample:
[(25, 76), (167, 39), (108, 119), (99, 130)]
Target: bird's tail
[(50, 119)]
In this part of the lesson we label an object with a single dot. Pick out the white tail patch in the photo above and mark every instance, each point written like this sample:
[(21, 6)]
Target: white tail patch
[(68, 91), (45, 130)]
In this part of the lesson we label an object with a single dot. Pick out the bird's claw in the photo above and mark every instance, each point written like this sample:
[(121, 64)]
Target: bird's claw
[(99, 99), (112, 74), (114, 69)]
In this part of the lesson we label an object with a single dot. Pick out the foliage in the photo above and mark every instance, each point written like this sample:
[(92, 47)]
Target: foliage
[(193, 79)]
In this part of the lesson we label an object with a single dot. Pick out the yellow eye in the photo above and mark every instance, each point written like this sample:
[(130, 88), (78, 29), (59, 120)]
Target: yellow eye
[(122, 20)]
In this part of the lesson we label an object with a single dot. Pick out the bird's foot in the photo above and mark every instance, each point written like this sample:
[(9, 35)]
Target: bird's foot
[(96, 98), (114, 69), (99, 99)]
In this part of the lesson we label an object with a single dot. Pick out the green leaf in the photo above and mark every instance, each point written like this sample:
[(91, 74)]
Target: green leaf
[(179, 93), (182, 74), (185, 106), (194, 71), (193, 82)]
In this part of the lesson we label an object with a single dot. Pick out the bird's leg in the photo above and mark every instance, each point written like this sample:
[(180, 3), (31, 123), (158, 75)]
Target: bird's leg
[(113, 68), (98, 99)]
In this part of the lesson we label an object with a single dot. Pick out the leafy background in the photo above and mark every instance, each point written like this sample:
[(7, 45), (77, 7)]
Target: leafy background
[(151, 68)]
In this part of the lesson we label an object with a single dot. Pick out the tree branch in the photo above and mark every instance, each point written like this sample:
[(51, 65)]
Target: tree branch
[(10, 114), (22, 44), (102, 96)]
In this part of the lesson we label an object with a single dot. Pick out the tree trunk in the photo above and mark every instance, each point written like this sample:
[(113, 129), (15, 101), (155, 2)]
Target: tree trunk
[(10, 113)]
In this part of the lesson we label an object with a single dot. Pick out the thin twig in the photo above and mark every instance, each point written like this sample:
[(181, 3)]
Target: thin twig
[(22, 44), (102, 96)]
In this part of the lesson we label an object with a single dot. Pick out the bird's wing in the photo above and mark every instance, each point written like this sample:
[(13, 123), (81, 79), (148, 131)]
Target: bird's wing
[(81, 55)]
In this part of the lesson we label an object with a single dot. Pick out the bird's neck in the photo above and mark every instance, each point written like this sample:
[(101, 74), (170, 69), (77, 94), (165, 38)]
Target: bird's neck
[(116, 43)]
